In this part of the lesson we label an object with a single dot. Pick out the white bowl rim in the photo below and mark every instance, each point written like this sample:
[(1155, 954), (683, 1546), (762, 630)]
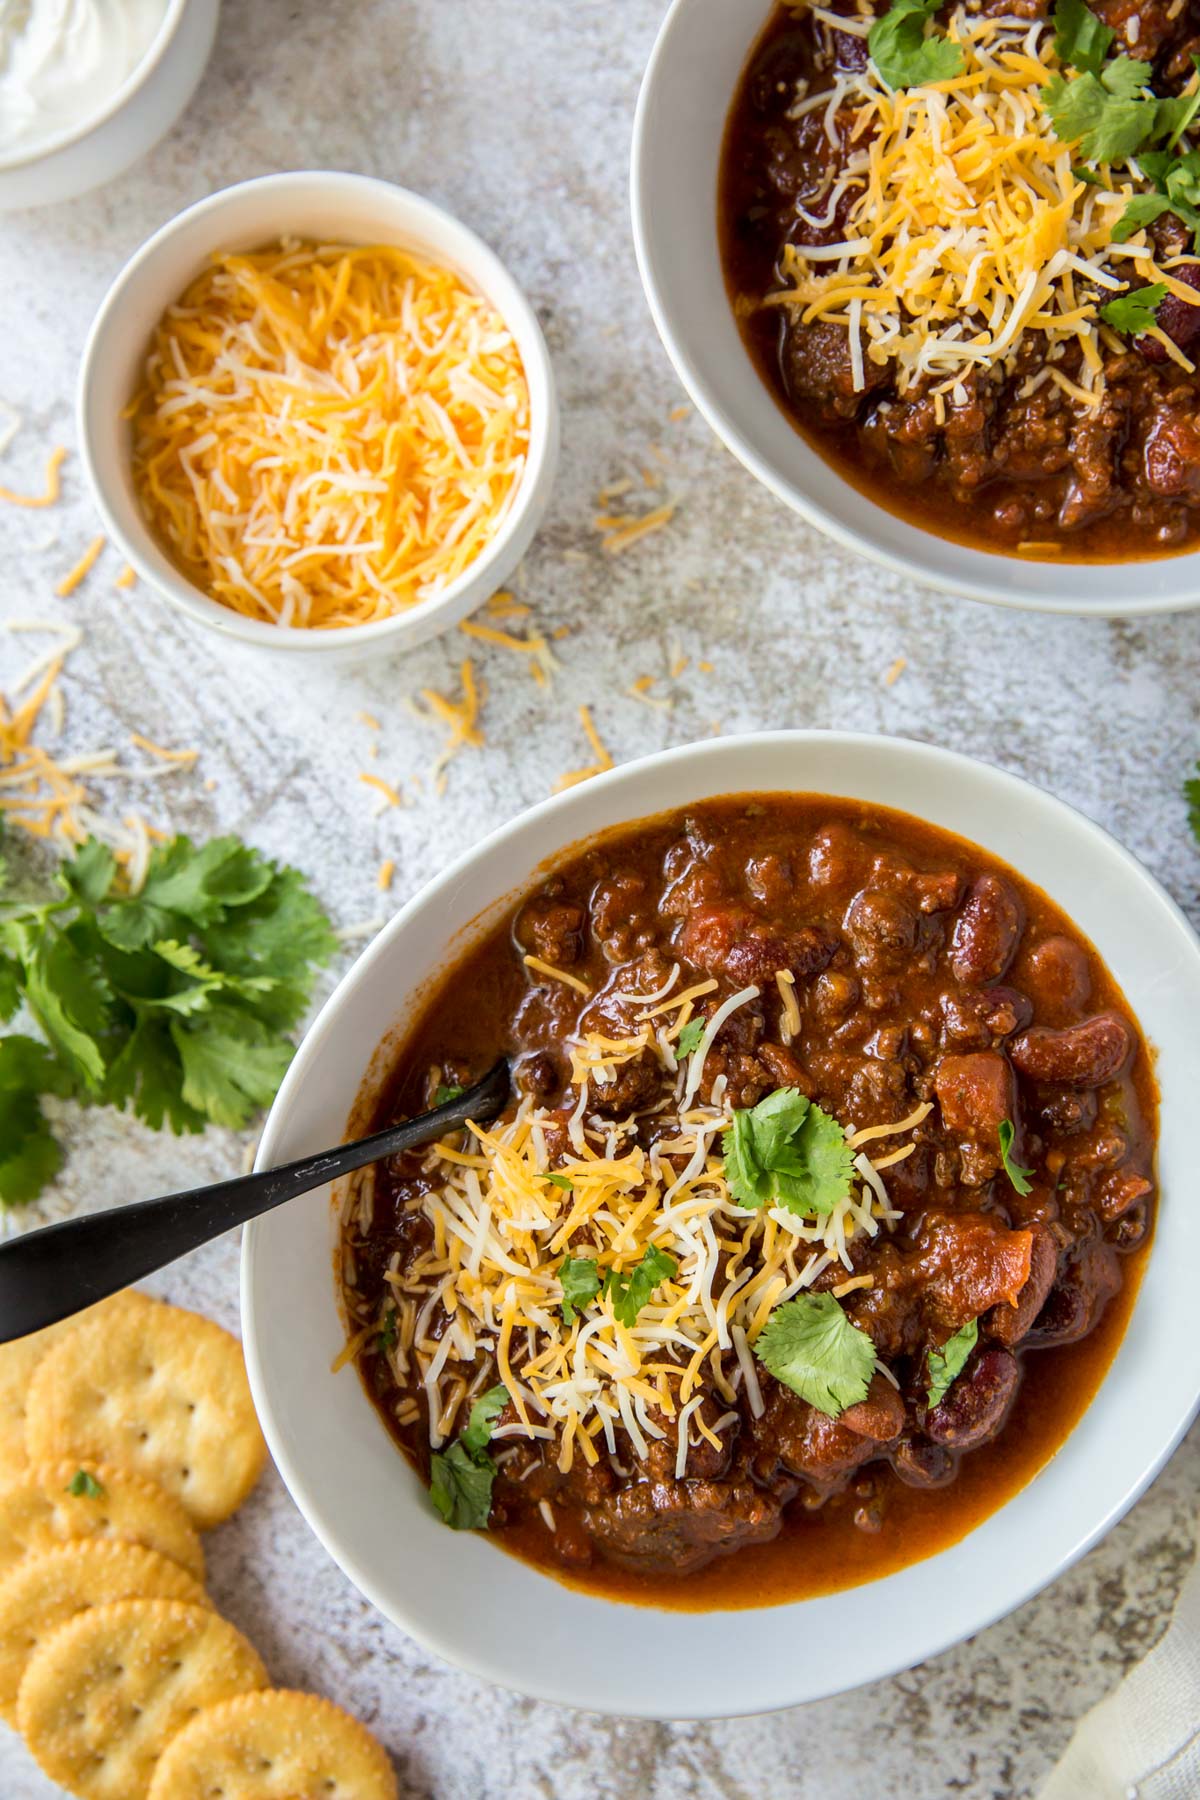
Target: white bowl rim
[(183, 594), (982, 585), (139, 74), (929, 1638)]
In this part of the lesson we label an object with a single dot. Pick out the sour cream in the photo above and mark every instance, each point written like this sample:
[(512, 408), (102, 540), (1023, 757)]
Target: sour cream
[(62, 61)]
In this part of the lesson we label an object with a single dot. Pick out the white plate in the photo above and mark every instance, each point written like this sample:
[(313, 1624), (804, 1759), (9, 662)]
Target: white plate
[(685, 98), (501, 1619)]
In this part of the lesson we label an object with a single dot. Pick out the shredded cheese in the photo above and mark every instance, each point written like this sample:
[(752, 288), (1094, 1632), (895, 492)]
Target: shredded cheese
[(329, 435), (499, 1230), (603, 761), (53, 486), (967, 228), (82, 568)]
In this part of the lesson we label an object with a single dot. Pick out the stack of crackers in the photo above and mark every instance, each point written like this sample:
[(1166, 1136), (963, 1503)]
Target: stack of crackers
[(123, 1434)]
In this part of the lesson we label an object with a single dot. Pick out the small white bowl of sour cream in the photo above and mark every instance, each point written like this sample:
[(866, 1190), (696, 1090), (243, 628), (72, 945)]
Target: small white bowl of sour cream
[(88, 86)]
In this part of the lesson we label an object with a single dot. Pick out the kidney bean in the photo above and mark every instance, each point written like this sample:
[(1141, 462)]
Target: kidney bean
[(986, 932), (882, 929), (920, 1464), (974, 1409), (1179, 319), (1009, 1324), (880, 1416), (1059, 976), (758, 955), (1079, 1056)]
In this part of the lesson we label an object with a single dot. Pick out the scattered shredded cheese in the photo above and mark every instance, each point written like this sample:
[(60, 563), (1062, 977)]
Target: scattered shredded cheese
[(82, 568), (603, 761), (53, 486)]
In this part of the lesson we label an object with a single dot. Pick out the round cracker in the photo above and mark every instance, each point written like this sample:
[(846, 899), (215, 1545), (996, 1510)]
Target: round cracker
[(43, 1592), (39, 1512), (19, 1359), (274, 1745), (161, 1391), (104, 1695)]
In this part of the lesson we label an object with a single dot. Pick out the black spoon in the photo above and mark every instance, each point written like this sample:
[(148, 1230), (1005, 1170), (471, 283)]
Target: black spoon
[(47, 1275)]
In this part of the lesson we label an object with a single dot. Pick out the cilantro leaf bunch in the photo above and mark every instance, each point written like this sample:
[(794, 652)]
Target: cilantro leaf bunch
[(175, 1003), (787, 1151)]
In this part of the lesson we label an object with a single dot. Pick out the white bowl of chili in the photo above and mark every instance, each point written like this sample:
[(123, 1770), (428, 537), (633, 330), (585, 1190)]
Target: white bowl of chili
[(502, 1619), (338, 215), (688, 90)]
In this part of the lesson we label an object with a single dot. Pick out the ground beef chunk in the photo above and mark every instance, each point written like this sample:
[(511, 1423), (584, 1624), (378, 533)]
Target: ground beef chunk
[(678, 1526), (551, 929), (794, 1436)]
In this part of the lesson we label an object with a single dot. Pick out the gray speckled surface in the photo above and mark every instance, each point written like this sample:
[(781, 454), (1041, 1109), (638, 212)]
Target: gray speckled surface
[(518, 117)]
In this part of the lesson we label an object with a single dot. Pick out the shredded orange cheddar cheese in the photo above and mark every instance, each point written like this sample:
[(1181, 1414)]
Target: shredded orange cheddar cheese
[(327, 435), (53, 487)]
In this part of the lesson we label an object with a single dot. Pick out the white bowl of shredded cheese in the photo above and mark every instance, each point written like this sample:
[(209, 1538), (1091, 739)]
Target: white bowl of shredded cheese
[(501, 1618), (318, 415), (688, 90), (88, 86)]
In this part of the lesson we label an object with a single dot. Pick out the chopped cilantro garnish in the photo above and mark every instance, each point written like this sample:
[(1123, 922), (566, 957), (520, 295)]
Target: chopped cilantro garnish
[(946, 1364), (176, 1001), (787, 1151), (1108, 116), (581, 1278), (904, 54), (483, 1416), (387, 1336), (1191, 793), (1136, 311), (810, 1345), (558, 1181), (443, 1095), (461, 1478), (630, 1291), (1016, 1174), (1089, 176), (1080, 38), (689, 1038), (84, 1486)]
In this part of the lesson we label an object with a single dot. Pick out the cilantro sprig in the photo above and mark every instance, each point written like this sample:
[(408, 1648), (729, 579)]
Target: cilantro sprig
[(1108, 109), (1019, 1177), (811, 1347), (581, 1277), (787, 1151), (1136, 311), (583, 1281), (907, 54), (689, 1038), (461, 1478), (175, 1002), (944, 1366)]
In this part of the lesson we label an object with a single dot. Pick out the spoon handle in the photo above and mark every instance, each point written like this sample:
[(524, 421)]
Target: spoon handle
[(49, 1274)]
